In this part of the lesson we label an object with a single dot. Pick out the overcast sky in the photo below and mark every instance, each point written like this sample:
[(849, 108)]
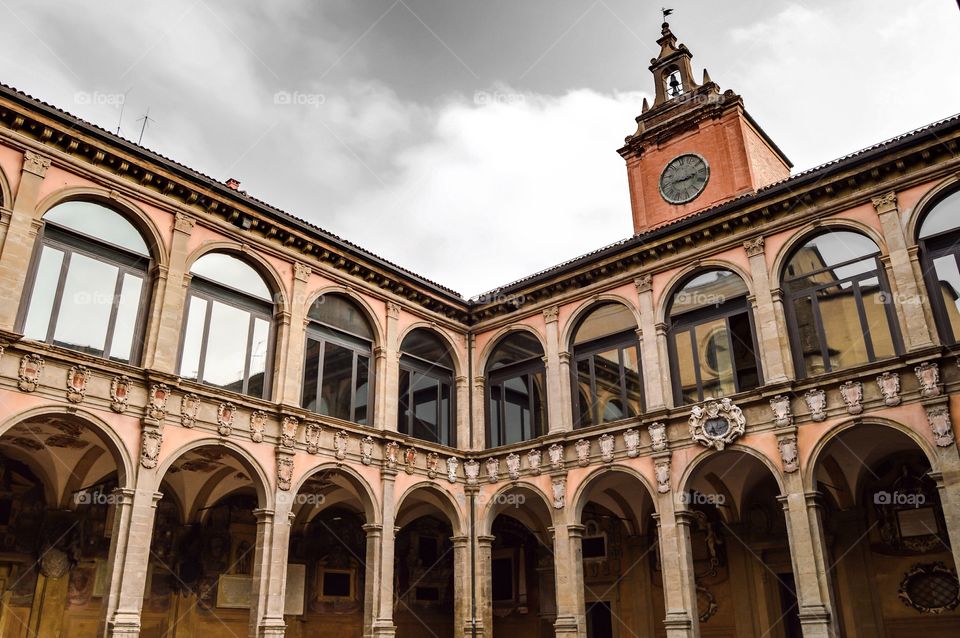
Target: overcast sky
[(471, 141)]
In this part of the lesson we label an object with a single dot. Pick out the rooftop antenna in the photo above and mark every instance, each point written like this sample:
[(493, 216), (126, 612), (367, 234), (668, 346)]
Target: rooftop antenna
[(122, 104), (145, 119)]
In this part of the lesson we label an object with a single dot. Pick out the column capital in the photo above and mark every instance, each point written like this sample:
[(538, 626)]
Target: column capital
[(551, 314), (263, 514), (183, 223), (301, 272), (393, 310), (754, 247), (35, 164), (885, 203), (460, 541), (372, 530), (484, 539), (644, 283)]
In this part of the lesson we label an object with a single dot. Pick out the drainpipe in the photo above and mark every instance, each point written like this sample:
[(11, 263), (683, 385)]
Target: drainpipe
[(473, 526)]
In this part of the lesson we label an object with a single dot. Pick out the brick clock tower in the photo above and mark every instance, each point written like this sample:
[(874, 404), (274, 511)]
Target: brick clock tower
[(695, 147)]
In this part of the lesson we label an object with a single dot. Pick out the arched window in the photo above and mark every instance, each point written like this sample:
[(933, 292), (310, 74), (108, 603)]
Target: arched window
[(606, 356), (713, 349), (228, 326), (939, 239), (516, 390), (337, 373), (838, 303), (426, 405), (88, 290)]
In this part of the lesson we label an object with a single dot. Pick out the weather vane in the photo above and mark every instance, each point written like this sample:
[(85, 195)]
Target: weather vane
[(666, 12)]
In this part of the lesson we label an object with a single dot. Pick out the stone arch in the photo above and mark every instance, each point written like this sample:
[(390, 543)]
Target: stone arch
[(258, 477), (253, 259), (372, 317), (441, 500), (124, 207), (916, 215), (698, 462), (586, 307), (682, 276), (495, 505), (499, 336), (368, 499), (583, 492), (6, 197), (807, 231), (459, 366)]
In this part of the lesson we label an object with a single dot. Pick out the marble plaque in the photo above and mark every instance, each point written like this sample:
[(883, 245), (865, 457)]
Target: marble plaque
[(234, 591), (296, 583)]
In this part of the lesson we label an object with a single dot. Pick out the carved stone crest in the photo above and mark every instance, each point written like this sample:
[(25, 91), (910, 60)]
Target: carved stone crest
[(189, 409), (471, 469), (583, 452), (30, 368), (889, 384), (928, 374), (54, 564), (157, 405), (782, 415), (391, 455), (119, 393), (555, 452), (816, 400), (284, 472), (513, 466), (661, 469), (852, 394), (312, 431), (658, 437), (788, 452), (340, 440), (77, 383), (559, 484), (226, 413), (534, 460), (433, 463), (631, 440), (607, 444), (366, 450), (288, 431), (493, 469), (150, 448), (410, 459), (452, 464), (938, 416), (717, 423), (258, 424)]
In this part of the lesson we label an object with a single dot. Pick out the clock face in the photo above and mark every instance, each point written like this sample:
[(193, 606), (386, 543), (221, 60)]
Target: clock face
[(684, 178)]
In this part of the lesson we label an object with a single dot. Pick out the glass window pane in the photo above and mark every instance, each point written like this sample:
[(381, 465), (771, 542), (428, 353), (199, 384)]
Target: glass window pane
[(227, 347), (128, 310), (841, 324), (517, 409), (311, 373), (687, 375), (875, 308), (337, 384), (100, 222), (362, 389), (709, 289), (631, 368), (807, 336), (716, 360), (585, 392), (496, 399), (744, 355), (339, 312), (519, 346), (538, 384), (608, 319), (258, 356), (446, 435), (831, 248), (606, 367), (945, 216), (233, 273), (86, 304), (426, 396), (193, 338), (948, 279), (44, 293), (425, 345), (403, 409)]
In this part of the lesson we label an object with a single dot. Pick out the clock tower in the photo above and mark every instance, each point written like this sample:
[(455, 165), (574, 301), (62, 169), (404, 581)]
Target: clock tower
[(695, 147)]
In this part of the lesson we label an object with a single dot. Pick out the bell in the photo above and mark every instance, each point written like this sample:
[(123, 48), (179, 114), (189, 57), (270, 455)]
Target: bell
[(674, 85)]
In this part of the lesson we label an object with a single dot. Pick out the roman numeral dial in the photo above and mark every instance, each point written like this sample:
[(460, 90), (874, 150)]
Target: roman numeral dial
[(684, 178)]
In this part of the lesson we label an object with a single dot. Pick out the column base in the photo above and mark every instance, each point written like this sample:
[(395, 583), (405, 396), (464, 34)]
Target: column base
[(816, 622), (271, 628), (382, 629), (468, 631), (678, 625), (124, 626), (567, 627)]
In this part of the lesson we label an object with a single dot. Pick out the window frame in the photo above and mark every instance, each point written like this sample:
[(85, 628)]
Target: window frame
[(413, 364), (791, 297), (325, 333), (933, 248), (586, 350), (69, 241), (528, 367)]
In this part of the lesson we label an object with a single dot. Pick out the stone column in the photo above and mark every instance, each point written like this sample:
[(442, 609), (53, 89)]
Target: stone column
[(292, 340), (462, 618), (388, 370), (20, 238), (559, 420), (382, 625), (948, 485), (479, 413), (269, 585), (808, 554), (769, 337), (676, 560), (163, 340), (566, 388), (371, 581), (462, 415), (484, 586), (910, 298), (568, 555), (654, 388), (786, 353), (662, 363)]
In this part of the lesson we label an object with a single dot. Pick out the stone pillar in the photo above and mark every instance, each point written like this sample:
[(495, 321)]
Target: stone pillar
[(462, 617), (808, 553), (292, 340), (676, 560), (654, 388), (388, 370), (372, 576), (479, 413), (163, 340), (382, 625), (268, 592), (463, 412), (948, 485), (20, 238), (909, 300), (571, 607), (558, 419), (662, 370), (484, 586), (769, 337), (786, 353), (566, 388)]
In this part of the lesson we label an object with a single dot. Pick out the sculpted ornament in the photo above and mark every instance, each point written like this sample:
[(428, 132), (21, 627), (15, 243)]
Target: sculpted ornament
[(452, 465), (433, 463), (817, 404), (583, 452), (889, 384), (631, 440), (929, 376), (471, 469), (150, 448), (852, 394), (788, 452), (391, 455), (513, 466), (410, 459), (157, 406), (284, 472), (938, 416), (662, 471), (189, 408), (30, 368), (258, 423), (782, 416), (55, 563), (119, 393), (77, 383), (658, 437), (288, 431), (312, 431), (493, 469), (340, 440), (366, 450), (556, 456), (717, 423), (607, 444), (559, 492), (534, 460), (226, 412)]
